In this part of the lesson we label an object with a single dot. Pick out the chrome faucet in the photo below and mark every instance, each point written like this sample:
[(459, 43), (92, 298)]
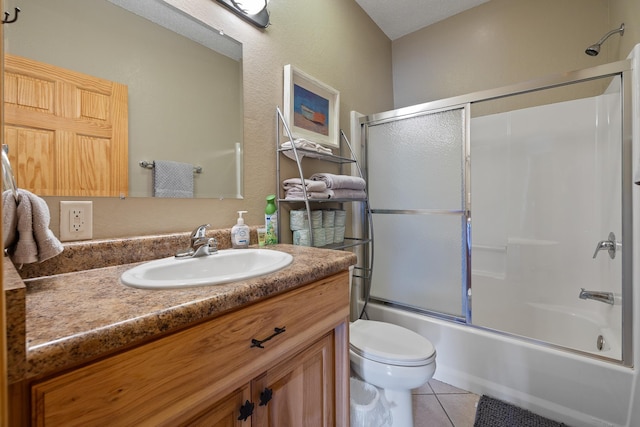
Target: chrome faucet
[(605, 297), (200, 244)]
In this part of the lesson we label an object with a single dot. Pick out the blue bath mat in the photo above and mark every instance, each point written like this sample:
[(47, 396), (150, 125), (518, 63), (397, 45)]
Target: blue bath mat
[(496, 413)]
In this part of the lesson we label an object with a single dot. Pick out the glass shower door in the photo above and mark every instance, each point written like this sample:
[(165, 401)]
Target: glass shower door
[(416, 179), (542, 172)]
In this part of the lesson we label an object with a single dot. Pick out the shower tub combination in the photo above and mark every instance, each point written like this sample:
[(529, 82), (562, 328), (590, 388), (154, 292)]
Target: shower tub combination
[(489, 226)]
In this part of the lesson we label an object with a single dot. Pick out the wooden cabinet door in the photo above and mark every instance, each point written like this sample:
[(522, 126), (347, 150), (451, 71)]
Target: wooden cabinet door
[(302, 389), (224, 413), (67, 132)]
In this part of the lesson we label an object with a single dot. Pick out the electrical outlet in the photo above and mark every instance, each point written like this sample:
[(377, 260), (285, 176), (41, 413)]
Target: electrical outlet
[(76, 221)]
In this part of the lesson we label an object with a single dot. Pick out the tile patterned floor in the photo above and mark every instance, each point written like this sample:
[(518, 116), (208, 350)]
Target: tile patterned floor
[(437, 404)]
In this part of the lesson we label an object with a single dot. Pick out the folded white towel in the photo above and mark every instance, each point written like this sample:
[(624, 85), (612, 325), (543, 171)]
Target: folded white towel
[(172, 179), (309, 185), (28, 238), (340, 181), (341, 193), (303, 144), (348, 193), (297, 194)]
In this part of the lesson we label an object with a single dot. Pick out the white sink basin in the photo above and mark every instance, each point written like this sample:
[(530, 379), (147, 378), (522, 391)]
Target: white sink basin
[(227, 265)]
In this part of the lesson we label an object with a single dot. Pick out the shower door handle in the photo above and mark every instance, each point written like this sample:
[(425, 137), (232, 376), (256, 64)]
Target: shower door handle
[(610, 245)]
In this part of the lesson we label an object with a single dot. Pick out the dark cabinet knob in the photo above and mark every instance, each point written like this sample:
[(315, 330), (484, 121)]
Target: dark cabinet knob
[(265, 396), (246, 410)]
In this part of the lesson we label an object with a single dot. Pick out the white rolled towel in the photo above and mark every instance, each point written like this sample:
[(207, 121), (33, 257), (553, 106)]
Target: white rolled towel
[(340, 181)]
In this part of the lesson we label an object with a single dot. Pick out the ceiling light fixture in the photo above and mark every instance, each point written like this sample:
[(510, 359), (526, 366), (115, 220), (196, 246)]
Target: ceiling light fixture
[(254, 11)]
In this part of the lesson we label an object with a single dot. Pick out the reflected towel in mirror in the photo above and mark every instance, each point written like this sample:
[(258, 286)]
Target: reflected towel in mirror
[(25, 224), (172, 179)]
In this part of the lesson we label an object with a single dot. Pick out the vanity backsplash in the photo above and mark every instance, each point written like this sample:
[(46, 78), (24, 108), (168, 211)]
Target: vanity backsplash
[(87, 255)]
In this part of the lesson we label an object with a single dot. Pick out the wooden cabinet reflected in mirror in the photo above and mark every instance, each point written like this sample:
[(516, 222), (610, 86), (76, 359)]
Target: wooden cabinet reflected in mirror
[(182, 99)]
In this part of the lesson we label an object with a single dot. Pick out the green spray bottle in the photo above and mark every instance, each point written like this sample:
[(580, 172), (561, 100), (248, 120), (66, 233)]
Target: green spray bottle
[(271, 220)]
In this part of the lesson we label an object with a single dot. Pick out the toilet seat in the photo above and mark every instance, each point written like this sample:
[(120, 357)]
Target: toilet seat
[(390, 344)]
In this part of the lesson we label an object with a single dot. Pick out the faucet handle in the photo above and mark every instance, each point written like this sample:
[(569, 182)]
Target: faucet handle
[(199, 232), (610, 245)]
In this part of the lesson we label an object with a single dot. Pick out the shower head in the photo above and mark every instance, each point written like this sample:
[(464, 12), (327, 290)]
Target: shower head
[(594, 49)]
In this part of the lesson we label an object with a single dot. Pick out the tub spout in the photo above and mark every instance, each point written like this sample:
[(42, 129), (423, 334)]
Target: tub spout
[(605, 297)]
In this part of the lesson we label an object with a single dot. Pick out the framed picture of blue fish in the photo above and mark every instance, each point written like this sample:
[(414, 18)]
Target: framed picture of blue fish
[(311, 108)]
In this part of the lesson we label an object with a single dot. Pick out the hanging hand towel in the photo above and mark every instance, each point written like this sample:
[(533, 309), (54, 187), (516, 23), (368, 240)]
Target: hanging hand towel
[(340, 181), (172, 179), (31, 240), (9, 218)]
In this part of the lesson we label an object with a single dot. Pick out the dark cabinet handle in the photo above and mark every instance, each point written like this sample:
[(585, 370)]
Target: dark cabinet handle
[(246, 410), (265, 396), (258, 343)]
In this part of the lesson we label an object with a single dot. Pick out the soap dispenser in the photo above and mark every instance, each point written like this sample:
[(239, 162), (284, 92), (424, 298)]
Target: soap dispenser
[(240, 233)]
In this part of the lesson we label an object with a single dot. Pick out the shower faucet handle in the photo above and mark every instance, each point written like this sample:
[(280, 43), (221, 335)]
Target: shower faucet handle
[(610, 245)]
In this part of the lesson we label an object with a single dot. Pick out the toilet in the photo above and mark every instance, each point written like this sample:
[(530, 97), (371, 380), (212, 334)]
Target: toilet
[(394, 359)]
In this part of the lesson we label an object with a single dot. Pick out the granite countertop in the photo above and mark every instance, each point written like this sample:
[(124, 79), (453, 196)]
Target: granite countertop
[(75, 316)]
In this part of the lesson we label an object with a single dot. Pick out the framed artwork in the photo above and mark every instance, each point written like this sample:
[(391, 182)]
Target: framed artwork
[(311, 108)]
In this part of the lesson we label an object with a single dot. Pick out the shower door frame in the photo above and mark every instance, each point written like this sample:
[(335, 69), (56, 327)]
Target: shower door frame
[(620, 68)]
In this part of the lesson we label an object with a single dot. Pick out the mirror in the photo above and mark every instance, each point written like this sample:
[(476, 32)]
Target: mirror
[(184, 81)]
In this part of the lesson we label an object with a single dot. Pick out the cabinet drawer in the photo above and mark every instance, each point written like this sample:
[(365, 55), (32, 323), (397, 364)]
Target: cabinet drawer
[(170, 379)]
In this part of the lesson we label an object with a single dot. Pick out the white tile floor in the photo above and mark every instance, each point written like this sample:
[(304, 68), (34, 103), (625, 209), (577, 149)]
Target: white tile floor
[(437, 404)]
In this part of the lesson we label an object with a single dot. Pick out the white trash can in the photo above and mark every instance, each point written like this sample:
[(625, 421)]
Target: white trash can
[(369, 408)]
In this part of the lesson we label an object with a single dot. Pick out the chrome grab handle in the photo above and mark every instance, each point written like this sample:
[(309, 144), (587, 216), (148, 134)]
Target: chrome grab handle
[(610, 245)]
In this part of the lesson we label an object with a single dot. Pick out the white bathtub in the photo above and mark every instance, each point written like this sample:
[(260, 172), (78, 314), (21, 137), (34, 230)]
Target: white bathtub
[(568, 327), (558, 325), (523, 309), (562, 385)]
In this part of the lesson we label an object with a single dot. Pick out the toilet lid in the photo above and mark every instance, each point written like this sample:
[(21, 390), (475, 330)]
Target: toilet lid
[(391, 344)]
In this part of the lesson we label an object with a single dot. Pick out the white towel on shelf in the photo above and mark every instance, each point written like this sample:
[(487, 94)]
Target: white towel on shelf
[(25, 223), (309, 184), (172, 179), (340, 193), (348, 193), (297, 194), (340, 181), (303, 144)]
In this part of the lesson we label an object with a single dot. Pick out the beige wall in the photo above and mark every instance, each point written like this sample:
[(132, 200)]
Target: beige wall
[(508, 41), (627, 11), (333, 40)]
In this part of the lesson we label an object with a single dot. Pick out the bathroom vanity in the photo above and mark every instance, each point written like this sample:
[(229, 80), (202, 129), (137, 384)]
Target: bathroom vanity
[(268, 351)]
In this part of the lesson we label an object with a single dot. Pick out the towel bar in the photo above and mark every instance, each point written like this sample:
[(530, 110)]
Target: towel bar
[(150, 165)]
